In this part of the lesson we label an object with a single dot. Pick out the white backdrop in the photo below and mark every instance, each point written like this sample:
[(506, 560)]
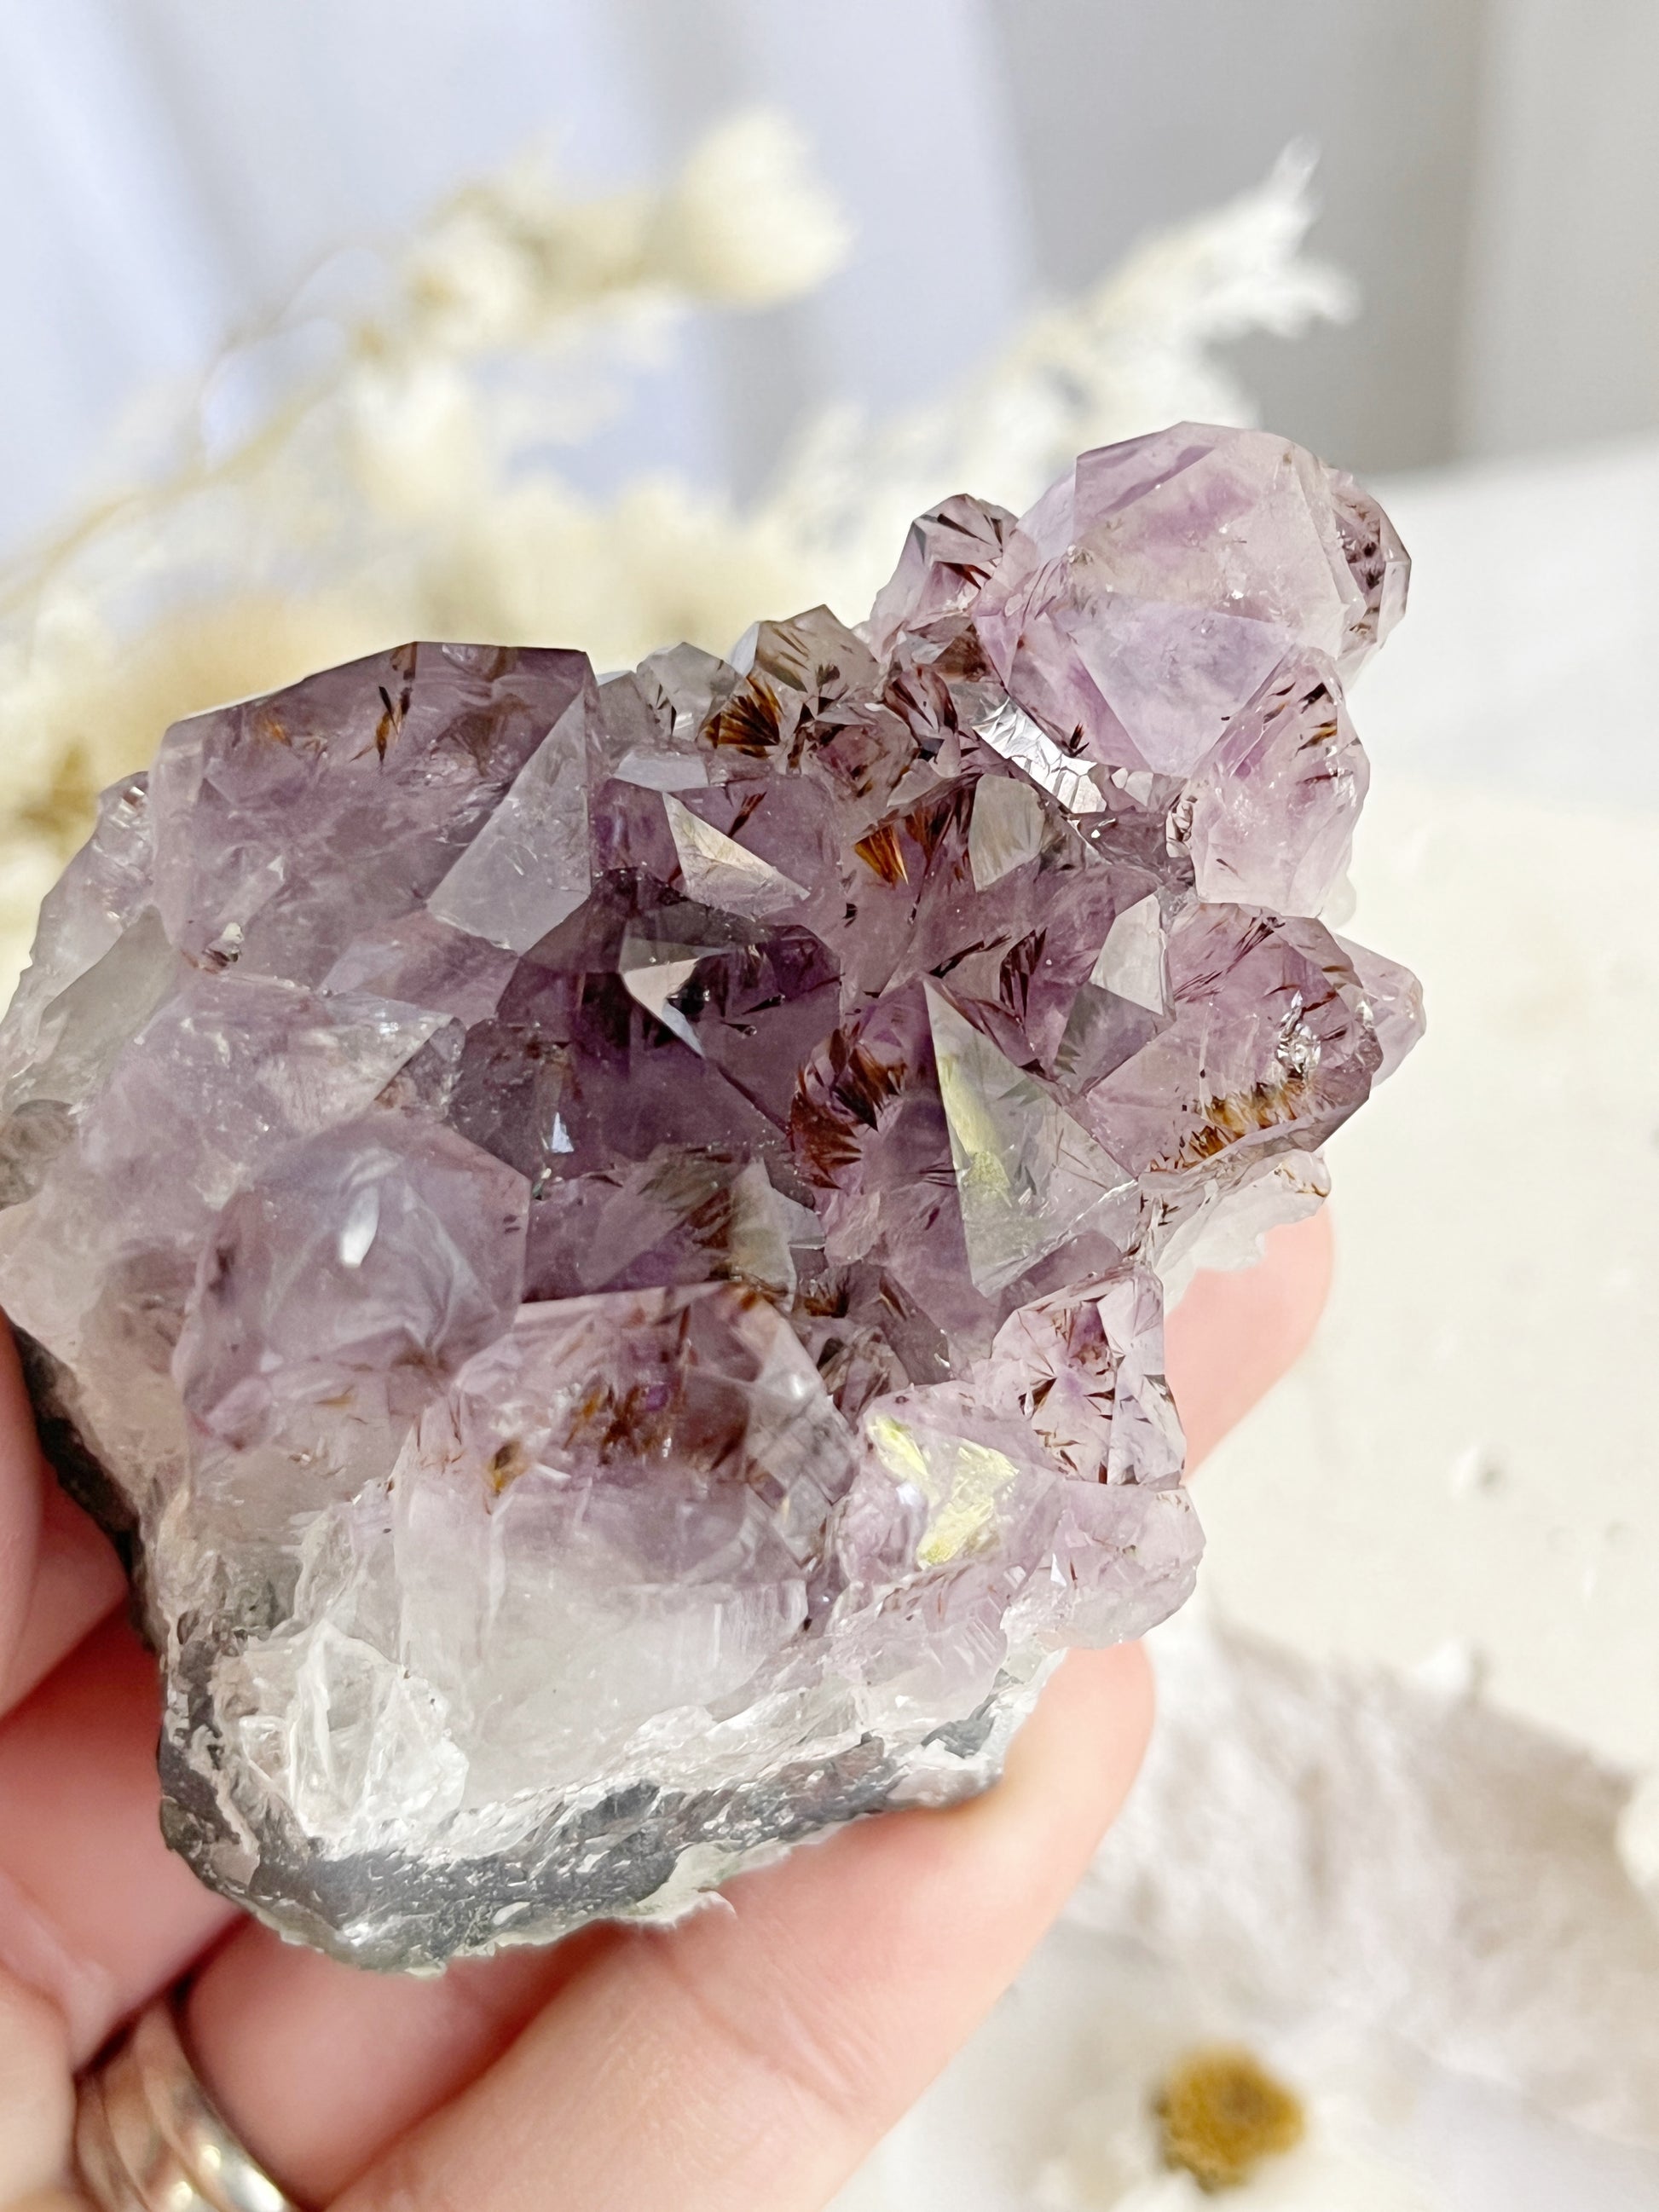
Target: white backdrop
[(169, 166)]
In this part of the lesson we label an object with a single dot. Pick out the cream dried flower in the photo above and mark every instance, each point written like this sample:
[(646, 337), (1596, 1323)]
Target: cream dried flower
[(747, 221), (1136, 350), (511, 258), (400, 485)]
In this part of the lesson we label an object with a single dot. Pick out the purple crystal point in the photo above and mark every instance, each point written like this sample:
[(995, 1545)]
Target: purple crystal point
[(1147, 595), (1268, 814), (605, 1237)]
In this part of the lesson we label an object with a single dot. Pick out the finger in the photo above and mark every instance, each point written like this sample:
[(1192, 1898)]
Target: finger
[(78, 1582), (95, 1911), (100, 1940), (1227, 1341), (37, 2104), (58, 1573), (283, 2032), (1233, 1335), (22, 1487), (749, 2056), (320, 2067)]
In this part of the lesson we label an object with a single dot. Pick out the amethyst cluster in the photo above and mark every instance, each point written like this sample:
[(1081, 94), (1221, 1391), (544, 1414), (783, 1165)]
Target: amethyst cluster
[(603, 1238)]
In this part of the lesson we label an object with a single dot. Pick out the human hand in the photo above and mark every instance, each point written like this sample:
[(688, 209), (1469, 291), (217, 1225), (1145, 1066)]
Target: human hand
[(745, 2059)]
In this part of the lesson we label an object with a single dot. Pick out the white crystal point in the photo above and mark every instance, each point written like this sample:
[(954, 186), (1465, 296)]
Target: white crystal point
[(758, 1240), (1028, 1177), (528, 867), (720, 872), (1131, 961), (654, 973), (1004, 830)]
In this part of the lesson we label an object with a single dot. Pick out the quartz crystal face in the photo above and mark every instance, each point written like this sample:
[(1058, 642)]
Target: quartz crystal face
[(603, 1240)]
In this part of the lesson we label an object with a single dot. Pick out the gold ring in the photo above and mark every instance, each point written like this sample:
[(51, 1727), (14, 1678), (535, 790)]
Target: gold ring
[(147, 2138)]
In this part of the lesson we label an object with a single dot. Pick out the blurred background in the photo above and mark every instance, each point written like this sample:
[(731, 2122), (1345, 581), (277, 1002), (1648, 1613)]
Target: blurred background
[(1489, 176), (336, 319)]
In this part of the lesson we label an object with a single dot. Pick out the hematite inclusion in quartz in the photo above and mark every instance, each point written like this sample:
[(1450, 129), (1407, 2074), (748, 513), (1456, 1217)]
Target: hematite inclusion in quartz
[(605, 1236)]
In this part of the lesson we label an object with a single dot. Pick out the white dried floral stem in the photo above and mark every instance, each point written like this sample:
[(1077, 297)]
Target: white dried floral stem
[(378, 497)]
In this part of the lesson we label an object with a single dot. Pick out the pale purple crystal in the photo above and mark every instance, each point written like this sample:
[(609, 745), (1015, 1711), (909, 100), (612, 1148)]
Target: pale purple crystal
[(602, 1238), (1268, 814)]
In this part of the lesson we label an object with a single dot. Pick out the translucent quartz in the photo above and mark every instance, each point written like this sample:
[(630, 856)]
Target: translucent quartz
[(600, 1240)]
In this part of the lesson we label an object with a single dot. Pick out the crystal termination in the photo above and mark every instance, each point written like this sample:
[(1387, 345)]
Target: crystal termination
[(604, 1239)]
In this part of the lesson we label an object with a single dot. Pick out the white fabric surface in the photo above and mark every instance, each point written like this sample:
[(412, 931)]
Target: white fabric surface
[(1411, 1911), (1479, 1418)]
